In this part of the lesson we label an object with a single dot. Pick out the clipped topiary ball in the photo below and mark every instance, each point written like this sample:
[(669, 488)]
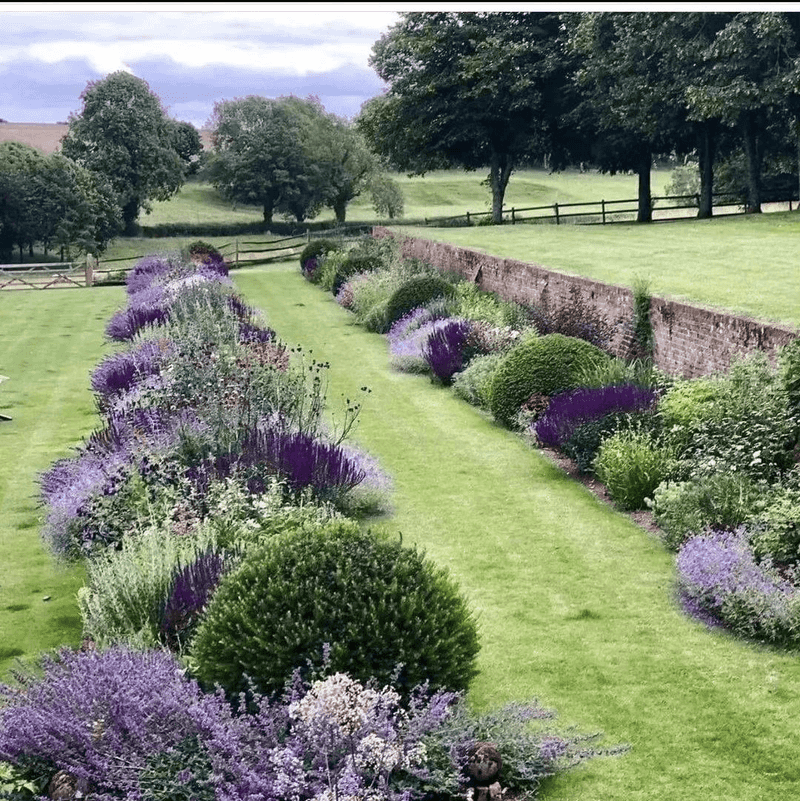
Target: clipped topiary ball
[(416, 292), (376, 604), (544, 366)]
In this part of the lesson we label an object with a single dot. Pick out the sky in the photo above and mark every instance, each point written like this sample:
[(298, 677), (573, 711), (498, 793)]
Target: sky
[(190, 59)]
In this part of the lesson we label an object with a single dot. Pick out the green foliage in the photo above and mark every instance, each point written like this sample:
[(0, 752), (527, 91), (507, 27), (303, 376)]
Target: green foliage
[(441, 68), (789, 370), (387, 197), (684, 180), (738, 422), (632, 465), (124, 134), (371, 605), (125, 589), (719, 501), (585, 442), (774, 529), (316, 248), (688, 402), (180, 774), (415, 292), (368, 255), (619, 371), (643, 337), (22, 784), (475, 304), (472, 384), (52, 201), (542, 366)]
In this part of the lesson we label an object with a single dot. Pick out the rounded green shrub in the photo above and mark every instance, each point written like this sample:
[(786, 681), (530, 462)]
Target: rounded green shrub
[(632, 465), (472, 384), (539, 366), (315, 249), (379, 609), (415, 292)]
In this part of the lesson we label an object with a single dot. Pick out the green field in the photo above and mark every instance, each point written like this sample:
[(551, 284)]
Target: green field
[(437, 194)]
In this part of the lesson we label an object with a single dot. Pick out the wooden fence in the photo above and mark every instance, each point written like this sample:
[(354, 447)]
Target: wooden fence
[(603, 212), (90, 271)]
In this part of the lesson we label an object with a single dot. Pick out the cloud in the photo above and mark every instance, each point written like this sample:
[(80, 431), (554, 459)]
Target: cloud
[(189, 59)]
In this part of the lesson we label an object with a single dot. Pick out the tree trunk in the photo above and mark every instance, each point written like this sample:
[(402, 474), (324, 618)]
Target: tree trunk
[(340, 209), (645, 212), (269, 207), (130, 211), (499, 172), (707, 149), (752, 149)]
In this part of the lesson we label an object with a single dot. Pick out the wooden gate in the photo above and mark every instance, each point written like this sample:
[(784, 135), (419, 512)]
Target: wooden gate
[(45, 276)]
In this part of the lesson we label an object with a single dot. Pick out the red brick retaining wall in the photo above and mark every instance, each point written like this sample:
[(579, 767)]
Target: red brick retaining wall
[(689, 340)]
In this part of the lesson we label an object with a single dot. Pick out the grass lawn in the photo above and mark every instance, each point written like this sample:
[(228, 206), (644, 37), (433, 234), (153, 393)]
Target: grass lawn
[(575, 601), (51, 341), (746, 264), (438, 194)]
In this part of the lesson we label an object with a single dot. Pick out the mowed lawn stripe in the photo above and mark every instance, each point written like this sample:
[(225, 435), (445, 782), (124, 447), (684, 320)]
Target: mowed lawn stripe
[(51, 342), (576, 602)]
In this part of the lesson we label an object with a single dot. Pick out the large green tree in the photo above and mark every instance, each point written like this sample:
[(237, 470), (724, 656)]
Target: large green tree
[(469, 90), (261, 155), (124, 134), (750, 82)]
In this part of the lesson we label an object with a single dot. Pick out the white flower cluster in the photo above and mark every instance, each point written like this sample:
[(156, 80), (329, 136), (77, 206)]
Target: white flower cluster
[(342, 701)]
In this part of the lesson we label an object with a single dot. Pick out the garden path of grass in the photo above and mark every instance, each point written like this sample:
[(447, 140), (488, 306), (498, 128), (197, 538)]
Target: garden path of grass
[(50, 343), (575, 601)]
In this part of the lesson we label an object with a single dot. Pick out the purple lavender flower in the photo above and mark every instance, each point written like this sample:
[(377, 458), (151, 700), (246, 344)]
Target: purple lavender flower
[(146, 271), (118, 372), (570, 410), (255, 334), (444, 348), (191, 590), (718, 574)]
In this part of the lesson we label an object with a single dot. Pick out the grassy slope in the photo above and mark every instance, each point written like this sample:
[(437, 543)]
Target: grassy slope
[(51, 341), (574, 600), (441, 193)]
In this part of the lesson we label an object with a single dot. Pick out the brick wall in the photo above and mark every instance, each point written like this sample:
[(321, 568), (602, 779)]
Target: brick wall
[(689, 340)]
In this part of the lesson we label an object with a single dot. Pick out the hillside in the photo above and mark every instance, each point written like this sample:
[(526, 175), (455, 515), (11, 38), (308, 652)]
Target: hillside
[(46, 136)]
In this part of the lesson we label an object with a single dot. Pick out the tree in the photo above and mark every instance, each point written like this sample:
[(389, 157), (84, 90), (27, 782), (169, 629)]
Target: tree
[(466, 90), (628, 77), (53, 201), (260, 155), (751, 81), (346, 162), (124, 134), (387, 197), (187, 144)]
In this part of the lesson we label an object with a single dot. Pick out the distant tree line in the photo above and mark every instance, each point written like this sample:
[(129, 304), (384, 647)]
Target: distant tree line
[(118, 155), (614, 90)]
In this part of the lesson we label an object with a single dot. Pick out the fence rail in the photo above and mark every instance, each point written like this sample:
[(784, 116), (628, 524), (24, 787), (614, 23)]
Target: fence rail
[(604, 211), (89, 272)]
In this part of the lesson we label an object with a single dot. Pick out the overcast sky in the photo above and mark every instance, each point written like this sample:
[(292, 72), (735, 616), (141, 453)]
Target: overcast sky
[(190, 59)]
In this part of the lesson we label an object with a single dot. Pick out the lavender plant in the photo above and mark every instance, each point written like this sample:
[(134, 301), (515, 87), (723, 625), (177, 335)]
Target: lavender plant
[(568, 411), (718, 574), (444, 349)]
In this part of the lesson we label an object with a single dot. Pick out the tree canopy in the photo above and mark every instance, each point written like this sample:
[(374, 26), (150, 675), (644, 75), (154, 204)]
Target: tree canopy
[(53, 201), (467, 90), (288, 156), (124, 134)]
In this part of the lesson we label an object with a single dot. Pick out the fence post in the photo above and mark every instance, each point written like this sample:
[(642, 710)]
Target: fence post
[(89, 270), (555, 207), (237, 252), (513, 216), (468, 218), (603, 206), (308, 235)]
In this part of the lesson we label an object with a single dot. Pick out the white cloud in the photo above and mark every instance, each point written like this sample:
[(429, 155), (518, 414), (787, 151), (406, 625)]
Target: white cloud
[(298, 41)]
